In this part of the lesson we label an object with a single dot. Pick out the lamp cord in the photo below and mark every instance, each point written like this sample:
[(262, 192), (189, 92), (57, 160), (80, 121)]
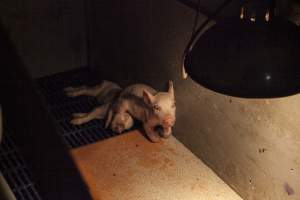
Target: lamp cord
[(184, 74), (197, 31), (196, 18)]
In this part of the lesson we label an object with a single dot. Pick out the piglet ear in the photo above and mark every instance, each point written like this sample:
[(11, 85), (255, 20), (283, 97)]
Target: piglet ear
[(171, 88), (148, 97)]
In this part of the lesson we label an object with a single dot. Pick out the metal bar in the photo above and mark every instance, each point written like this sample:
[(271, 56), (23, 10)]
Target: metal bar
[(201, 9)]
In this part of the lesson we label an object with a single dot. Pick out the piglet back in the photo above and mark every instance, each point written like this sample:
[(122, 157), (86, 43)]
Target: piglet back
[(137, 90)]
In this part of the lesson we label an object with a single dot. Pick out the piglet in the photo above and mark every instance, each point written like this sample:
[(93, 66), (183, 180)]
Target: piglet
[(148, 106), (163, 106), (106, 93)]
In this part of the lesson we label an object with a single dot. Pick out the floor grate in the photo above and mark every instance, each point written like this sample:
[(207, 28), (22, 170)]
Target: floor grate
[(61, 107), (15, 171)]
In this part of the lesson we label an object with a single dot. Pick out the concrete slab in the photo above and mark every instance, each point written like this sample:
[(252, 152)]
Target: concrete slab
[(130, 167)]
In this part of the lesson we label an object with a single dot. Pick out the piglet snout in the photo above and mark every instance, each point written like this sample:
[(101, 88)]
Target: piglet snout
[(168, 121), (119, 129)]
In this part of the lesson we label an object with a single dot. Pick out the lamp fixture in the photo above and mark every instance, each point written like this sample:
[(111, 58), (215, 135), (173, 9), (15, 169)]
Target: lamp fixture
[(254, 55)]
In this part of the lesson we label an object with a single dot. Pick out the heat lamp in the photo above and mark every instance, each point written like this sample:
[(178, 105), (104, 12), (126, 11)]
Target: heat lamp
[(253, 55)]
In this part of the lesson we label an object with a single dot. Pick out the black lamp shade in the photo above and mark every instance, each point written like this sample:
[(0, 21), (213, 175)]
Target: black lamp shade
[(248, 59)]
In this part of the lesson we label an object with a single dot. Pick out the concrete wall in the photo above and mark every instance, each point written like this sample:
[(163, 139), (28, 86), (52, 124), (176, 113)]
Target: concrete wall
[(50, 35), (254, 145)]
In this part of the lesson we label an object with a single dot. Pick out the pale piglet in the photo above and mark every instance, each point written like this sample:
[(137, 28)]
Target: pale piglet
[(106, 93), (150, 107)]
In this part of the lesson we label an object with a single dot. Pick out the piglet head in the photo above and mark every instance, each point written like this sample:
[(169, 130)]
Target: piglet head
[(163, 105), (121, 122)]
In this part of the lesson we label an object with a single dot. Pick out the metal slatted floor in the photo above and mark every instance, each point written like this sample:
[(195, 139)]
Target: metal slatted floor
[(60, 107), (15, 171)]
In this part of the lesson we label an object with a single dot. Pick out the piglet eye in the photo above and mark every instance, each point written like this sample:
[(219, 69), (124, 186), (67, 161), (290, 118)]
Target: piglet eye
[(156, 108)]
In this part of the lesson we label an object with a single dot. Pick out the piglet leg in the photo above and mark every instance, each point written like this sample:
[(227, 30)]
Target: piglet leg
[(83, 91), (97, 113)]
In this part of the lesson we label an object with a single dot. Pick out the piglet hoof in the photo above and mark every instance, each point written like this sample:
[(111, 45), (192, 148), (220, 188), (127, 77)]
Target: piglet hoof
[(78, 115), (69, 89), (72, 94), (72, 91), (77, 121)]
